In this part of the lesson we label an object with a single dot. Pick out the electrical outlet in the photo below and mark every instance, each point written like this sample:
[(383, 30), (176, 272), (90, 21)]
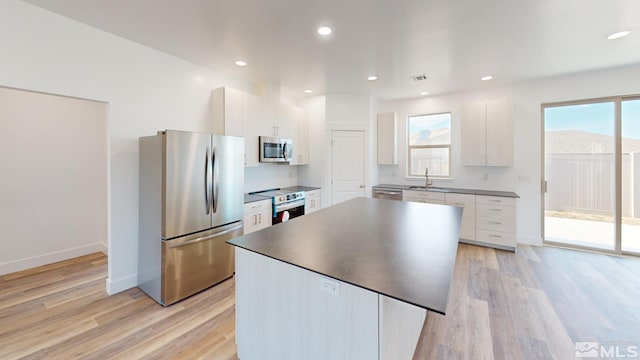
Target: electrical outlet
[(524, 179), (330, 286), (485, 176)]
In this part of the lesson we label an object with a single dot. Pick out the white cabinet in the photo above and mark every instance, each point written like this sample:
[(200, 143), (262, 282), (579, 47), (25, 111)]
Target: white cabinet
[(239, 114), (486, 220), (257, 215), (468, 203), (387, 139), (428, 197), (496, 221), (300, 137), (487, 133), (242, 114), (313, 201)]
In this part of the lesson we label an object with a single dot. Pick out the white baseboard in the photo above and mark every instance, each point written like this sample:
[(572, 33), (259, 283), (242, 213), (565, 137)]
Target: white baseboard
[(529, 240), (49, 258), (104, 248), (122, 284)]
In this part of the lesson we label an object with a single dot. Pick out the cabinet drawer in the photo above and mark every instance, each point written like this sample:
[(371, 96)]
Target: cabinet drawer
[(496, 224), (257, 206), (495, 211), (428, 195), (496, 237), (495, 200), (313, 194), (463, 200)]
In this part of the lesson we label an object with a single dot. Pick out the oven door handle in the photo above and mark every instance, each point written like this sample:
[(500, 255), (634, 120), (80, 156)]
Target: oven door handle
[(288, 206)]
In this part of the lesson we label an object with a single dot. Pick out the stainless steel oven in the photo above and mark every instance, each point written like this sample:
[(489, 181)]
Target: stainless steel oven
[(287, 204), (275, 149), (287, 211)]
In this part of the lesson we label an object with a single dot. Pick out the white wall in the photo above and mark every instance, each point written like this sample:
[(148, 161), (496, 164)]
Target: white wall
[(53, 156), (528, 98), (146, 90), (336, 112)]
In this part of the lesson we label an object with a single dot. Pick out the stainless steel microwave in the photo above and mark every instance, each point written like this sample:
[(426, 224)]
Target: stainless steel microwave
[(275, 149)]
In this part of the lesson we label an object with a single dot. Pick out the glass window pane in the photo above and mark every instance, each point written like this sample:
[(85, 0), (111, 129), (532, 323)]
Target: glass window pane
[(430, 129), (631, 176), (436, 159), (580, 174)]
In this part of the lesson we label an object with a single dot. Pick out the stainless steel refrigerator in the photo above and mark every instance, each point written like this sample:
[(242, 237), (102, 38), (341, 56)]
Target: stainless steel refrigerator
[(191, 202)]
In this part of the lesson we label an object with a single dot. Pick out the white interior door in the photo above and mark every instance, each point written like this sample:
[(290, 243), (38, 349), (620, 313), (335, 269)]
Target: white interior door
[(347, 165)]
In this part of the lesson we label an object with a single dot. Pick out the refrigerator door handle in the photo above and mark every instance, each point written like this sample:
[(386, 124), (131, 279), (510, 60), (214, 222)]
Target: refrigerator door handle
[(284, 152), (204, 238), (215, 166), (207, 181)]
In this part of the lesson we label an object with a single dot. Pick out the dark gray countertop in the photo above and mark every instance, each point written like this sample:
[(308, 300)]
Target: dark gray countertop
[(248, 198), (301, 188), (402, 250), (449, 190)]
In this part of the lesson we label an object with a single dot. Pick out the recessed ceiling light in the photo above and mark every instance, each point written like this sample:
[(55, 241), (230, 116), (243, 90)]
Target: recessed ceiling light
[(424, 93), (618, 35), (241, 63), (324, 30), (372, 78), (485, 78), (308, 91)]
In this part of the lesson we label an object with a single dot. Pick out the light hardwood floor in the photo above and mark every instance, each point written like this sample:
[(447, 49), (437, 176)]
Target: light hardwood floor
[(530, 305)]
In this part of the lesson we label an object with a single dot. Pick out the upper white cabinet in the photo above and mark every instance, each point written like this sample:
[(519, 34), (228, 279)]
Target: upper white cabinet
[(487, 133), (387, 139), (300, 138), (239, 114), (242, 114)]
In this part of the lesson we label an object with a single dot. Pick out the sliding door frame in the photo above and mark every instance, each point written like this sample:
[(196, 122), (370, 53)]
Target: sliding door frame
[(617, 217)]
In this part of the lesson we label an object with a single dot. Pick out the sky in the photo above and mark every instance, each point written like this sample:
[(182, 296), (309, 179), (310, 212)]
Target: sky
[(595, 118)]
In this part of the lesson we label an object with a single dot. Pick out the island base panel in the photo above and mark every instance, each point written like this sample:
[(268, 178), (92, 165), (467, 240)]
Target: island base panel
[(286, 312)]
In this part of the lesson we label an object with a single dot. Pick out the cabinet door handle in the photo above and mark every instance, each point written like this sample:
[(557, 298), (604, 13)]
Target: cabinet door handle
[(497, 201), (259, 218), (255, 219), (498, 210), (495, 236), (459, 204), (495, 222)]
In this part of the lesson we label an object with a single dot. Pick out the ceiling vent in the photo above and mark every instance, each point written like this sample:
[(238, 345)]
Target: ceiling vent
[(419, 77)]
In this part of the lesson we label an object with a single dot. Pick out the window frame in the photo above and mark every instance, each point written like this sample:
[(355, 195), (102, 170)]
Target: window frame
[(410, 147)]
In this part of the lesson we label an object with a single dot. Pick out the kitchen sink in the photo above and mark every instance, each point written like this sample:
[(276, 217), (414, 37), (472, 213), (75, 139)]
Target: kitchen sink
[(430, 188)]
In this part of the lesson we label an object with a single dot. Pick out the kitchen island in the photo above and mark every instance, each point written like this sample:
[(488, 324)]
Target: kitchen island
[(351, 281)]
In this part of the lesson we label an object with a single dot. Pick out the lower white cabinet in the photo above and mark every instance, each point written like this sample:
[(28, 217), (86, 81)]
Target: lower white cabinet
[(496, 221), (257, 215), (313, 201), (486, 220), (428, 197), (468, 203)]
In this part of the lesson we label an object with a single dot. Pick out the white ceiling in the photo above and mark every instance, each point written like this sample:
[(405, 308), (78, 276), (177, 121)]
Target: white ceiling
[(455, 42)]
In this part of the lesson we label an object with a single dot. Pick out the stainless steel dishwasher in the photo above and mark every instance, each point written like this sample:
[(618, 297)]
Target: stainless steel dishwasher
[(391, 192)]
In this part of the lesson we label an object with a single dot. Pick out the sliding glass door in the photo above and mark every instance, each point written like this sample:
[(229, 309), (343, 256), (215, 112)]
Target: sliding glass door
[(592, 174), (579, 142), (630, 130)]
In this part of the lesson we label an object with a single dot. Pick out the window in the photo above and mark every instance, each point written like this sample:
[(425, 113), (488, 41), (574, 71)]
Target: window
[(429, 139)]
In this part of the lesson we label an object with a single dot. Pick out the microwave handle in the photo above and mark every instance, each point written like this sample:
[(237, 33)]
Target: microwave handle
[(284, 152)]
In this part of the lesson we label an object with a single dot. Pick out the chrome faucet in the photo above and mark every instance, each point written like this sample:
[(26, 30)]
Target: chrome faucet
[(427, 183)]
